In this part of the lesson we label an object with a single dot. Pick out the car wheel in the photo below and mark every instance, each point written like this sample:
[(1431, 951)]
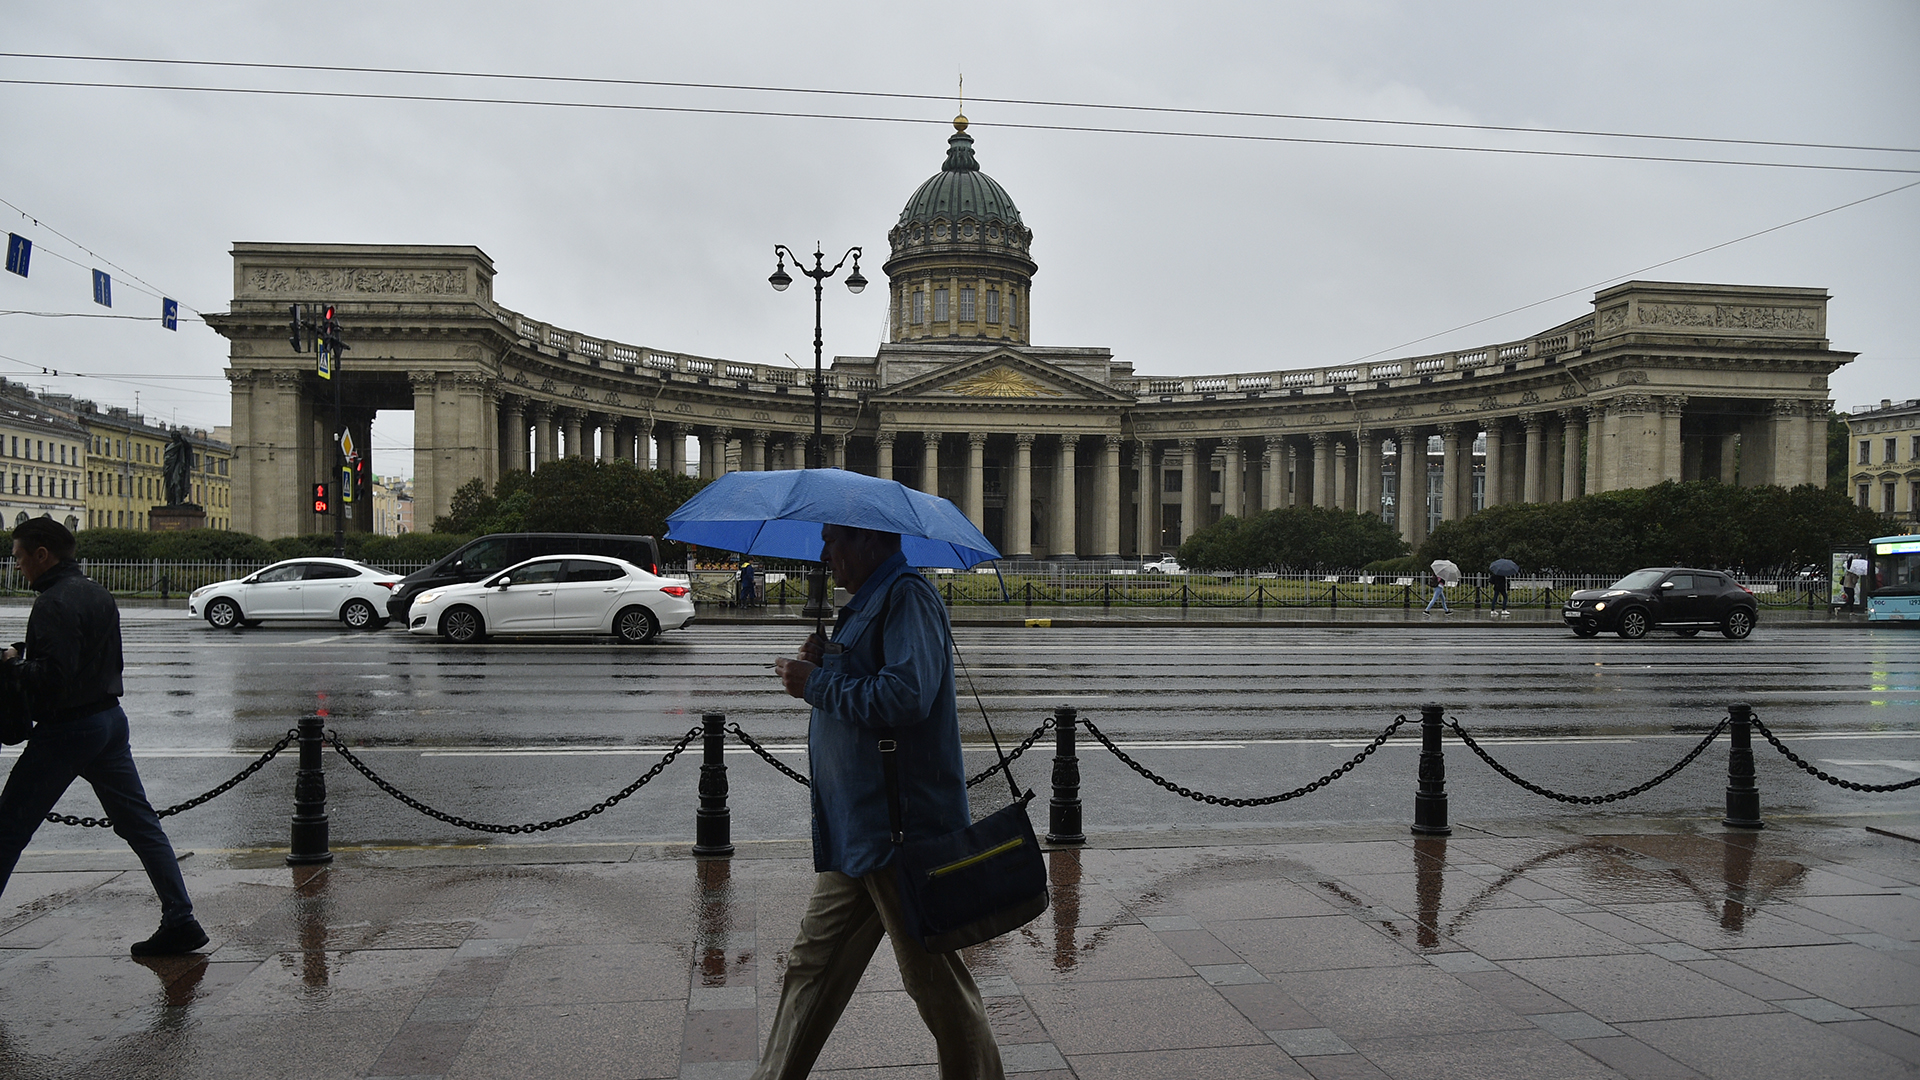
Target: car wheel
[(635, 626), (1584, 631), (359, 615), (223, 614), (1691, 631), (463, 626), (1634, 624), (1739, 624)]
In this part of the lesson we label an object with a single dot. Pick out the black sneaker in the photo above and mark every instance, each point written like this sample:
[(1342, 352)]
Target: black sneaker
[(172, 940)]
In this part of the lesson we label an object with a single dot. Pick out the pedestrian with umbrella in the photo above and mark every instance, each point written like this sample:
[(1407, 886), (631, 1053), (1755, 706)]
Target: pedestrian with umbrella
[(883, 739), (1445, 573), (1502, 569)]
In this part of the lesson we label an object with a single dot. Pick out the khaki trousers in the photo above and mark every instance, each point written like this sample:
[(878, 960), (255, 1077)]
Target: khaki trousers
[(842, 927)]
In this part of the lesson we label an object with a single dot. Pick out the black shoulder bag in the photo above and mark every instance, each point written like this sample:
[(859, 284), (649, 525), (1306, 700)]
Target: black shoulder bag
[(973, 884)]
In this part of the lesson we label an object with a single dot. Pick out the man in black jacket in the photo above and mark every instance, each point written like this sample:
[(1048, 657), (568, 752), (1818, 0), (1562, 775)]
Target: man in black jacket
[(68, 679)]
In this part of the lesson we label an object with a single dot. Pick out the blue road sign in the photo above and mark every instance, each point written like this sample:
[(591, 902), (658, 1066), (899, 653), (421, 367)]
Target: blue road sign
[(19, 253), (169, 313), (102, 289)]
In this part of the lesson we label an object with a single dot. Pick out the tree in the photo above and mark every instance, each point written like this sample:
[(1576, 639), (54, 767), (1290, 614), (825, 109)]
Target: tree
[(1297, 537), (571, 495)]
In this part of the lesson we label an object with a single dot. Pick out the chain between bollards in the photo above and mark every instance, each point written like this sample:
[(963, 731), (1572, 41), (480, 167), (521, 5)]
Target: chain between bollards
[(713, 822), (309, 840), (1430, 800), (1063, 809), (1743, 794)]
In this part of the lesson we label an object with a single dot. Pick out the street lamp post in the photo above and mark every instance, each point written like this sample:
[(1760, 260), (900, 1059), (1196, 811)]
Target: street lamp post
[(817, 609)]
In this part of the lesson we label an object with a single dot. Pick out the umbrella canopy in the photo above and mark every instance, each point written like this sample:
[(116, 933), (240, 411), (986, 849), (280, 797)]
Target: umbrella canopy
[(779, 514), (1446, 571), (1504, 568)]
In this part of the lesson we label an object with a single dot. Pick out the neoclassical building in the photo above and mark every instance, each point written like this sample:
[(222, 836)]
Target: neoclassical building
[(1056, 452)]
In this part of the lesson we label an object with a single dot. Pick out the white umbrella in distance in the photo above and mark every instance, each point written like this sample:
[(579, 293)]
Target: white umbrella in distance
[(1446, 571)]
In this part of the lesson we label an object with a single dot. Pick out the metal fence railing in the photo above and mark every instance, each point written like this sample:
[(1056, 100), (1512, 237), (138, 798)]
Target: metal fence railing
[(161, 578)]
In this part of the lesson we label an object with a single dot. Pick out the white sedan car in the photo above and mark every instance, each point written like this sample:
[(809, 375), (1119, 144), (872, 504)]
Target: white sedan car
[(352, 592), (563, 594)]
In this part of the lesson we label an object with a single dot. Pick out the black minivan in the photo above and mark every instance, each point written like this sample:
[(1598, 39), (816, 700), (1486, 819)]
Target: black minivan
[(488, 554)]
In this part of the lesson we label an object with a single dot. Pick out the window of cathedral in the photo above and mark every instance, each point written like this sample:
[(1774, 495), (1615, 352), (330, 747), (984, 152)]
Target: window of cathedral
[(919, 308), (993, 307), (966, 230), (939, 305), (993, 232), (1013, 308), (966, 308), (940, 231)]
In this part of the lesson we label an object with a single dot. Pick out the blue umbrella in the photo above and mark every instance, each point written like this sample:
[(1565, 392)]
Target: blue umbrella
[(779, 514), (1505, 568)]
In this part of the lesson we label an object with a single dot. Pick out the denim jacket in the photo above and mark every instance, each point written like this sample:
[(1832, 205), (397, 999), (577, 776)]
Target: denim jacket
[(888, 673)]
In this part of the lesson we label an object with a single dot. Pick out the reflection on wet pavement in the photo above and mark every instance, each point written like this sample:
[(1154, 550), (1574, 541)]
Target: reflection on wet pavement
[(1338, 954)]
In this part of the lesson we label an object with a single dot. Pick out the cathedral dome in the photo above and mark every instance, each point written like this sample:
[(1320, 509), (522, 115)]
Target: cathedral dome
[(960, 189), (959, 268)]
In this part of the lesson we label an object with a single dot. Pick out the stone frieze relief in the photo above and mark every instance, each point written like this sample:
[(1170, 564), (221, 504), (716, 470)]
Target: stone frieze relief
[(365, 281)]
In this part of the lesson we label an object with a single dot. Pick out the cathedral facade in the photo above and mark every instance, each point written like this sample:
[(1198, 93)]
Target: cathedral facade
[(1055, 452)]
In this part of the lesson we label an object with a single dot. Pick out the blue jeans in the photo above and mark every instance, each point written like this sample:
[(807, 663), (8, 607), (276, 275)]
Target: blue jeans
[(93, 748), (1439, 597)]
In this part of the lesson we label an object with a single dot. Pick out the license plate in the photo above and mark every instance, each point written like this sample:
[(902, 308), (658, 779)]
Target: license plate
[(1571, 613)]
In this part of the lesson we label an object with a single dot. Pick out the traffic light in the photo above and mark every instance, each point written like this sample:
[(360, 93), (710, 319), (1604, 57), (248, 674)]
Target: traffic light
[(362, 479), (331, 330), (320, 505), (296, 330)]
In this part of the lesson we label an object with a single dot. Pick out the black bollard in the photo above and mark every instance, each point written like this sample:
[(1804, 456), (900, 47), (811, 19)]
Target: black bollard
[(1063, 810), (309, 843), (1743, 795), (713, 822), (1430, 801)]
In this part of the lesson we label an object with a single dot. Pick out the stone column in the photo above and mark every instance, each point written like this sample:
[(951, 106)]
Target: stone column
[(1532, 491), (1106, 531), (1191, 480), (1366, 475), (1496, 464), (1788, 464), (1634, 443), (575, 421), (1231, 466), (1816, 456), (974, 497), (513, 417), (1273, 492), (1671, 406), (1342, 474), (1573, 431), (1321, 469), (1730, 458), (1551, 465), (1146, 511), (930, 462), (1452, 482), (1410, 467), (1064, 543), (1596, 449), (672, 442), (753, 452), (426, 493), (721, 438), (544, 449), (609, 438), (643, 442), (1020, 499), (883, 450)]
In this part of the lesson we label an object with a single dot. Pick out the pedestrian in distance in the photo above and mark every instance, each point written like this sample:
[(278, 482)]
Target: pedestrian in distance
[(887, 674), (1502, 571), (64, 680), (1439, 597)]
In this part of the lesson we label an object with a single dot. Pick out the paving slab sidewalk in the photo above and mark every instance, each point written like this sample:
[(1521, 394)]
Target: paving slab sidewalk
[(1629, 948)]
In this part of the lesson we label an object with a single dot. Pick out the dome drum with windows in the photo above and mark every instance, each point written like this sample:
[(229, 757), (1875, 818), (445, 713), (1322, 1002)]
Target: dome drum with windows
[(959, 269)]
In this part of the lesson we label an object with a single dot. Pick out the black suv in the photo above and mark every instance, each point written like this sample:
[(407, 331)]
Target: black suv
[(489, 554), (1664, 598)]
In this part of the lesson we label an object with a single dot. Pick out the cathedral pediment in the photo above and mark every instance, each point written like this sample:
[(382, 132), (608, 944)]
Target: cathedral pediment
[(1002, 376)]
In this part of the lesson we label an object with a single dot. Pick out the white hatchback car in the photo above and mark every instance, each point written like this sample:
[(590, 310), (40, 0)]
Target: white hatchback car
[(352, 592), (556, 594)]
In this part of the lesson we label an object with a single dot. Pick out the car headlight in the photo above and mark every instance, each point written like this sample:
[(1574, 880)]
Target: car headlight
[(198, 593), (427, 597), (1601, 606)]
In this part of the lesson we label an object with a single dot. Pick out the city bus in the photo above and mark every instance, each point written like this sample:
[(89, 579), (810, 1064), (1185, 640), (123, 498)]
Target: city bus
[(1893, 578)]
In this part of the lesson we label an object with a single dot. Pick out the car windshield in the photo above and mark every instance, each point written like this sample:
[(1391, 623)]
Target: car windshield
[(1640, 579)]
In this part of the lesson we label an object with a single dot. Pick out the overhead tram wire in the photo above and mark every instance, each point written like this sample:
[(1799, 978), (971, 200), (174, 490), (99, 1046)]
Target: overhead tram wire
[(1633, 273), (126, 275), (900, 96), (919, 121)]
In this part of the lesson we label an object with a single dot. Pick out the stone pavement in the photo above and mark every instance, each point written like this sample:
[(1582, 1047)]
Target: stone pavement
[(1644, 949)]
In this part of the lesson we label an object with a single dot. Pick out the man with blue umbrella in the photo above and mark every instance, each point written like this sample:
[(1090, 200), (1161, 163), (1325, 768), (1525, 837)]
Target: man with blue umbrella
[(1502, 571), (886, 674)]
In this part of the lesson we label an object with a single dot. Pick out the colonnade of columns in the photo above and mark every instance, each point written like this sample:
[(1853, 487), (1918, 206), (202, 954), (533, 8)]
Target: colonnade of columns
[(1085, 495)]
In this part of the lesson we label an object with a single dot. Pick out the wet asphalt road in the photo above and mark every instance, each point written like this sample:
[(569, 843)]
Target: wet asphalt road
[(523, 731)]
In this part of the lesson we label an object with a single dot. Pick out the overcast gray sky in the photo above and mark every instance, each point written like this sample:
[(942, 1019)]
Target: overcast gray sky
[(1182, 255)]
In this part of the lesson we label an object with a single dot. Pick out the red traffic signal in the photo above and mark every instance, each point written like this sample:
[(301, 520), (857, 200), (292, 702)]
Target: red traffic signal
[(320, 499)]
